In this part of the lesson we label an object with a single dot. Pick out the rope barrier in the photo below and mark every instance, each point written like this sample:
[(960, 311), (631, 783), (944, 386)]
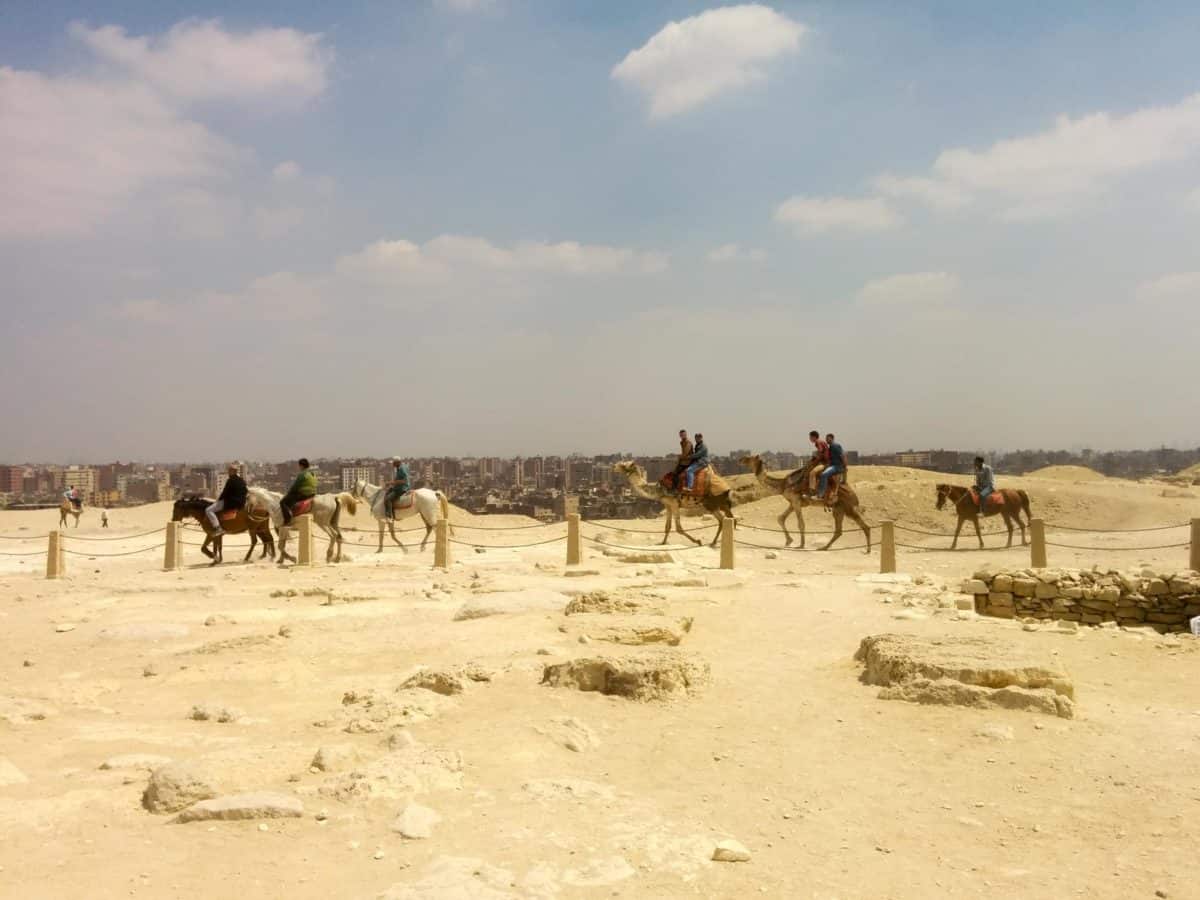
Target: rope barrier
[(1127, 549), (954, 549), (800, 549), (900, 526), (504, 527), (99, 555), (123, 537), (599, 524), (32, 537), (781, 531), (34, 553), (508, 546), (1117, 530)]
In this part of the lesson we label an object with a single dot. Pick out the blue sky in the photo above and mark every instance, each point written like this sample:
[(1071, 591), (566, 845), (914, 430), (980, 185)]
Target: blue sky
[(460, 226)]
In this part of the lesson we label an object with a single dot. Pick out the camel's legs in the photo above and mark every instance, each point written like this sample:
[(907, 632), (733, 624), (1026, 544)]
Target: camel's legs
[(782, 520), (667, 533), (720, 526), (853, 514), (798, 507), (837, 527), (679, 528)]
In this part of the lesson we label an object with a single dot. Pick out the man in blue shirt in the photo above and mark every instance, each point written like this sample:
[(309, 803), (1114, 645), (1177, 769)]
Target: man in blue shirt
[(985, 482), (699, 461), (837, 465), (398, 488)]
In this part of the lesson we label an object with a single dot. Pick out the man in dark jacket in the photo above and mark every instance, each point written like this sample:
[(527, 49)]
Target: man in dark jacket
[(233, 496), (683, 461), (698, 461), (837, 466)]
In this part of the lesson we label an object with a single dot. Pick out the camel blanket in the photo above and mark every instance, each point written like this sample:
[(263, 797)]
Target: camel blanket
[(708, 481)]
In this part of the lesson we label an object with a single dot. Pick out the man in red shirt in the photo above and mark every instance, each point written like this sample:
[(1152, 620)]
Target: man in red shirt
[(820, 459)]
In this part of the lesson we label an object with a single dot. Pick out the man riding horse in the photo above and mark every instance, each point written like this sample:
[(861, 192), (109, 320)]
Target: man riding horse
[(303, 488), (399, 487), (985, 482), (233, 497)]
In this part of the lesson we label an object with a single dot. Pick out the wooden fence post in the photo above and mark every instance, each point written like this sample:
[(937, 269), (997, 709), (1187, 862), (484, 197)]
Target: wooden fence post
[(305, 555), (727, 526), (54, 555), (1194, 556), (172, 555), (574, 549), (887, 547), (1037, 543), (441, 544)]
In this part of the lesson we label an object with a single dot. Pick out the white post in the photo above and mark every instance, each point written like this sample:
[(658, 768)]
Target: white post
[(305, 556), (54, 556), (574, 548), (441, 544)]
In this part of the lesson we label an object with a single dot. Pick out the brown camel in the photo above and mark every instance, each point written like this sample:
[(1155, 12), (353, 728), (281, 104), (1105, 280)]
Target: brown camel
[(793, 487), (967, 507), (257, 524), (720, 504), (67, 508)]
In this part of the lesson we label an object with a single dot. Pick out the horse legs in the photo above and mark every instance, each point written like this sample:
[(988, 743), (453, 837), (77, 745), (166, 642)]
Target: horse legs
[(380, 550), (392, 529), (428, 531), (253, 544), (978, 533), (284, 556), (216, 554), (957, 529), (1008, 525), (1021, 522), (837, 526)]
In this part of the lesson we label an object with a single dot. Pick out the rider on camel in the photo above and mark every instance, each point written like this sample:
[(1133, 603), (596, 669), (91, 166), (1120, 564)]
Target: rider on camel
[(72, 494), (683, 460), (303, 488), (233, 496), (697, 461), (985, 482), (837, 466), (398, 488), (820, 459)]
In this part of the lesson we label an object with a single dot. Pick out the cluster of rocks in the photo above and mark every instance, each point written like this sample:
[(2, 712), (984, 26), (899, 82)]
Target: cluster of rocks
[(1164, 601)]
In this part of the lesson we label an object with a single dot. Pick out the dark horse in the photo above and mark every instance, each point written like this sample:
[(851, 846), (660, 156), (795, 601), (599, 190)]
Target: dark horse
[(256, 523), (968, 508)]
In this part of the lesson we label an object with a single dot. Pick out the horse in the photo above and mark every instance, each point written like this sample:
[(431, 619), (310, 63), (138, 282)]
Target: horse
[(326, 512), (428, 503), (247, 521), (68, 508), (968, 508)]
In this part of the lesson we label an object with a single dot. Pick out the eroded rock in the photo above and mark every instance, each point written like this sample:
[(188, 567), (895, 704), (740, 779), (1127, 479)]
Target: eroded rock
[(176, 786), (654, 676), (236, 807)]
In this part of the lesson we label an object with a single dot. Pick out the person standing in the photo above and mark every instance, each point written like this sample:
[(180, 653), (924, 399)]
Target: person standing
[(233, 496), (104, 518), (303, 488)]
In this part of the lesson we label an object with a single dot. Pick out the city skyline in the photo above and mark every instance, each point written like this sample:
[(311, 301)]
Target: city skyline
[(257, 231)]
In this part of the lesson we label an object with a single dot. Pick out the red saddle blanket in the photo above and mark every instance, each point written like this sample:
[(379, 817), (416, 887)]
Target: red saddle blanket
[(228, 515), (302, 507), (995, 499)]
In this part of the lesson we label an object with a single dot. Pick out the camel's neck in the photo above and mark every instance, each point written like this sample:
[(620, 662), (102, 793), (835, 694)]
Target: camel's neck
[(770, 481), (643, 490)]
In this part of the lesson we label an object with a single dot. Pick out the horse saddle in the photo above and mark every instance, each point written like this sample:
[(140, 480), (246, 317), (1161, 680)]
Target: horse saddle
[(995, 499), (302, 506), (403, 502), (228, 515)]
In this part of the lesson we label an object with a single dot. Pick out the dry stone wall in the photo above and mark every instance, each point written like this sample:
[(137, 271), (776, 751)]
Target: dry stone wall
[(1164, 601)]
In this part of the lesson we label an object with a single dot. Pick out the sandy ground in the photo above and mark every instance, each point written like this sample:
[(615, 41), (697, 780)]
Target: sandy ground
[(834, 792)]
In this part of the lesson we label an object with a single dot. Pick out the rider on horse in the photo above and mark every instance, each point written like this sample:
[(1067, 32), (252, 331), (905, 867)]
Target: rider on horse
[(837, 466), (697, 461), (398, 488), (303, 488), (985, 481), (233, 496)]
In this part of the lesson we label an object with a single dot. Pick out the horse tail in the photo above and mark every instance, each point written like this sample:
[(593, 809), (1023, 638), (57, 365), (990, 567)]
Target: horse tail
[(1025, 504), (444, 504), (348, 500)]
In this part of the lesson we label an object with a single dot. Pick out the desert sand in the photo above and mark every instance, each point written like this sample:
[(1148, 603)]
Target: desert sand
[(409, 732)]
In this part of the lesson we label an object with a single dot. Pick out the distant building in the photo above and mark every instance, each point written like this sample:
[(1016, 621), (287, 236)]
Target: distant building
[(81, 477), (354, 474)]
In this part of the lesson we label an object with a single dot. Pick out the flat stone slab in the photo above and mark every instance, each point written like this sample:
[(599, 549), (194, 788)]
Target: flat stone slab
[(606, 602), (981, 672), (147, 761), (629, 630), (663, 675), (236, 807)]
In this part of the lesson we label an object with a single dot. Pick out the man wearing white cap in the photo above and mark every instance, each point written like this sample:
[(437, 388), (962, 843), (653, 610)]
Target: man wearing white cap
[(398, 488)]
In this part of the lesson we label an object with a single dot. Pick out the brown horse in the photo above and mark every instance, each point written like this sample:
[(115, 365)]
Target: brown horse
[(256, 523), (68, 508), (968, 508), (794, 489)]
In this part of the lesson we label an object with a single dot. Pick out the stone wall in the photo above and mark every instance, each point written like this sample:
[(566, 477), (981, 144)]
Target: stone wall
[(1164, 601)]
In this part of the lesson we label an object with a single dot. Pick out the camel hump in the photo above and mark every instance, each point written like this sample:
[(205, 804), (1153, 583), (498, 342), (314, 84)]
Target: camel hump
[(717, 484)]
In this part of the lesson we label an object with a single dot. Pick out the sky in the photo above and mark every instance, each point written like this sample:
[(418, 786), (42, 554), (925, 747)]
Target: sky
[(502, 227)]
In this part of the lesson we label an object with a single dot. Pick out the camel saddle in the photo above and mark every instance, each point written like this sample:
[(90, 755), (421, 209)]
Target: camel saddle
[(995, 500), (708, 481)]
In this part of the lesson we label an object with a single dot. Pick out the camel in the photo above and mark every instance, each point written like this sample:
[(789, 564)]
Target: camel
[(791, 488), (719, 504), (68, 508), (967, 507)]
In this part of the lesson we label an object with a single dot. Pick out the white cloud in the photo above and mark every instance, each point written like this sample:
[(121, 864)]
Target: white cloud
[(148, 310), (289, 170), (439, 258), (76, 149), (814, 215), (465, 6), (911, 289), (937, 194), (201, 60), (1047, 173), (276, 221), (695, 59), (1176, 286), (735, 253), (279, 297)]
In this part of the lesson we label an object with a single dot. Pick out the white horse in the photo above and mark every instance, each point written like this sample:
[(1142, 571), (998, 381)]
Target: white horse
[(326, 511), (424, 501)]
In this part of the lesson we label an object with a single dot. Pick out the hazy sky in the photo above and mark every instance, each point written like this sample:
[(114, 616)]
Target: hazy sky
[(505, 226)]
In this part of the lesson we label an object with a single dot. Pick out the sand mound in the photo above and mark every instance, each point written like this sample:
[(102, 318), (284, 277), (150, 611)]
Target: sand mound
[(1067, 473)]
